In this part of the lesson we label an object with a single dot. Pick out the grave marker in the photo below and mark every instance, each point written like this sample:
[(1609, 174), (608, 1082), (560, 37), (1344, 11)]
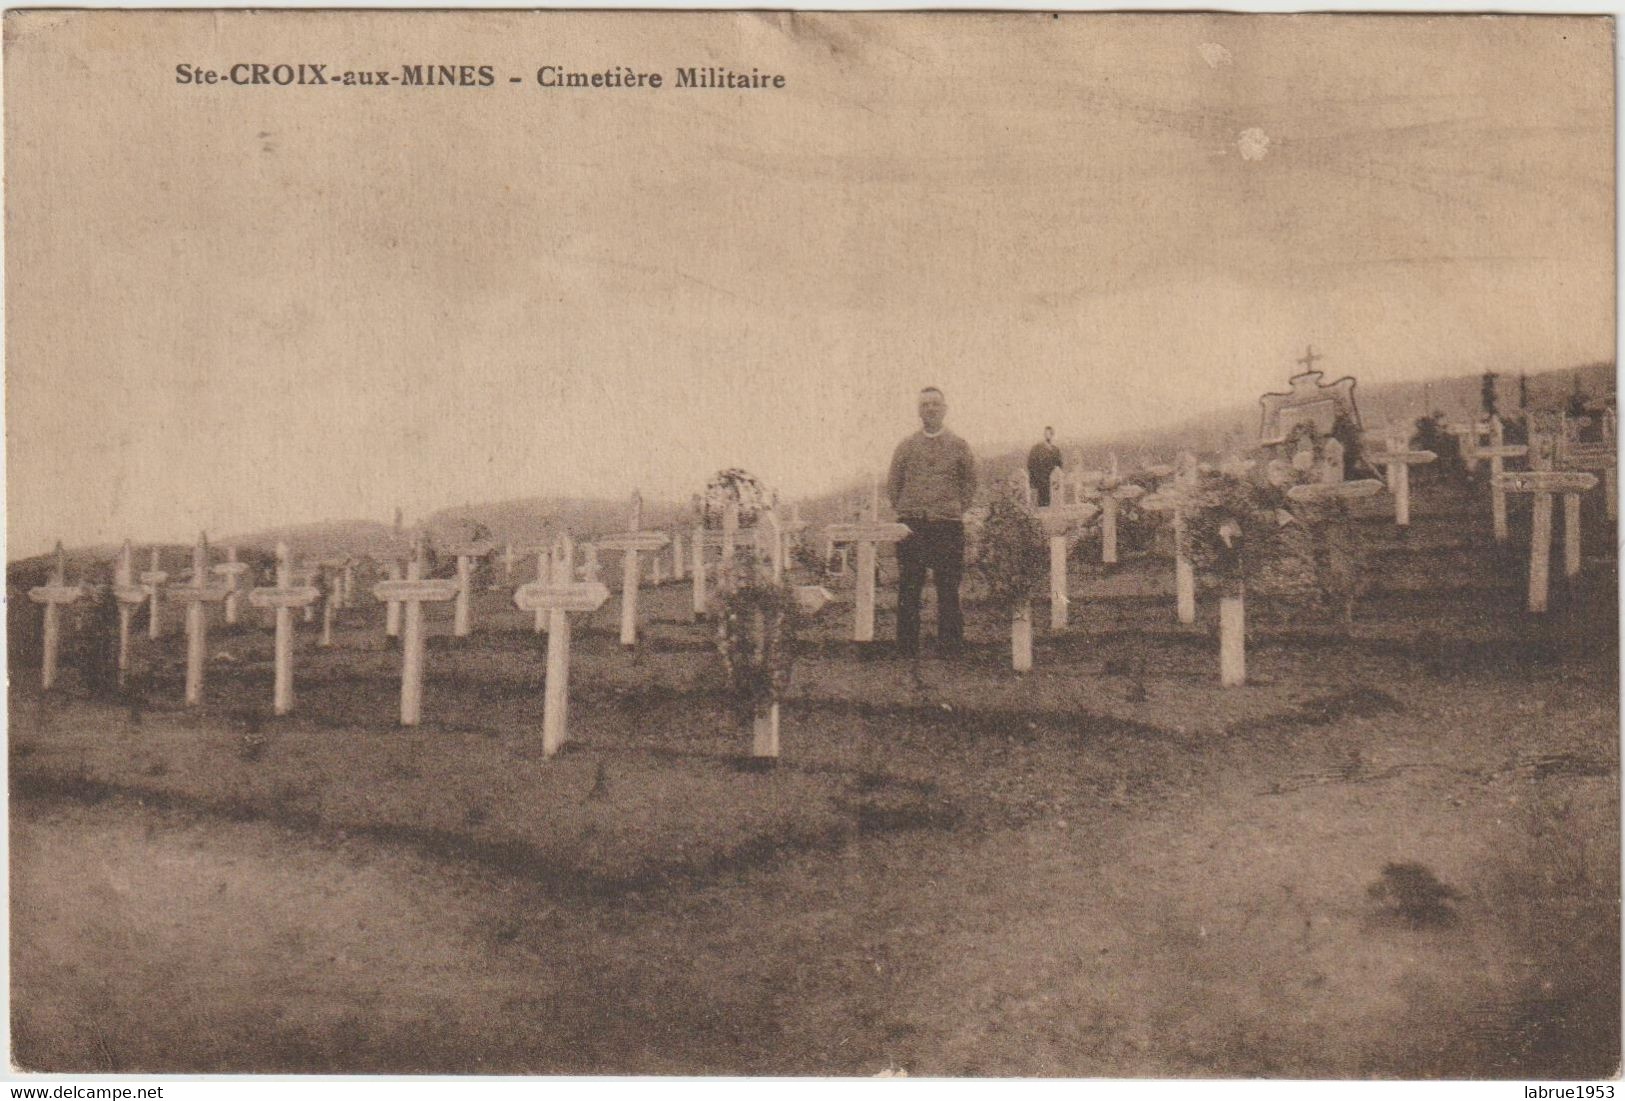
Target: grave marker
[(232, 570), (154, 579), (1057, 519), (1108, 491), (631, 543), (1398, 461), (1497, 452), (284, 597), (392, 609), (1542, 482), (128, 595), (866, 534), (1178, 499), (461, 611), (55, 593), (195, 596), (1309, 401), (557, 599), (413, 592), (544, 575)]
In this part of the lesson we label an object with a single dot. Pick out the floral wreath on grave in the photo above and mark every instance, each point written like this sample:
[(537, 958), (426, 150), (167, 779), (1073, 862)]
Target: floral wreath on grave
[(1012, 554), (1236, 529), (756, 638), (741, 486)]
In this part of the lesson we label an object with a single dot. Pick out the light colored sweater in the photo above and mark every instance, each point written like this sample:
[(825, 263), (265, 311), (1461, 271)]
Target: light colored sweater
[(932, 477)]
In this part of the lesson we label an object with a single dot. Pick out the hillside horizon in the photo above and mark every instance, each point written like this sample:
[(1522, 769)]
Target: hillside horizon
[(531, 520)]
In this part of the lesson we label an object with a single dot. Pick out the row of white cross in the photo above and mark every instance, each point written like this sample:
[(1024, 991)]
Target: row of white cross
[(555, 593)]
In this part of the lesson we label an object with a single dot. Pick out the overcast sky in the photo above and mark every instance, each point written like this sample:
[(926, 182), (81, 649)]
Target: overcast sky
[(232, 307)]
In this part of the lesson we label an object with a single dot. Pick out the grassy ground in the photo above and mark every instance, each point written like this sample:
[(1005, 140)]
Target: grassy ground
[(1107, 867)]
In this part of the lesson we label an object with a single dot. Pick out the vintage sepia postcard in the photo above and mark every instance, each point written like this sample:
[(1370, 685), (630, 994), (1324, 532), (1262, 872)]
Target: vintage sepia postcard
[(1016, 544)]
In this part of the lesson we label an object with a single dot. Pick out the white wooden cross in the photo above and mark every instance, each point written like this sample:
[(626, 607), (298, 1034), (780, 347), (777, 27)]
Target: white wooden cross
[(1109, 490), (1467, 441), (284, 597), (461, 613), (1057, 519), (1498, 451), (1601, 457), (1398, 461), (128, 595), (1542, 482), (232, 570), (392, 609), (631, 543), (154, 579), (1178, 499), (544, 576), (866, 534), (412, 592), (54, 594), (308, 575), (557, 598), (195, 596)]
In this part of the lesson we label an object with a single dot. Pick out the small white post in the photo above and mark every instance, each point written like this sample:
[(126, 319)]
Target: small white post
[(698, 572), (412, 648), (155, 578), (465, 585), (123, 584), (544, 573), (1233, 639), (1498, 452), (556, 696), (1021, 637), (1057, 579), (1571, 535), (233, 571), (392, 608), (282, 687), (197, 626), (1540, 551)]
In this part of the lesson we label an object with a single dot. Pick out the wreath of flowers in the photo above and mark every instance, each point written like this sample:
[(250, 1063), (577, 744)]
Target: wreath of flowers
[(1012, 556), (1235, 529), (738, 485)]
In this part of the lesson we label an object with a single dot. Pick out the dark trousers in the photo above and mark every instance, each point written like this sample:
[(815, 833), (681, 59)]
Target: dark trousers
[(937, 546), (1040, 492)]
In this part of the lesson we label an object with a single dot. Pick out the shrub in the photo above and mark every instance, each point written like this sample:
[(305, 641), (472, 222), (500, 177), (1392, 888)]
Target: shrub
[(756, 637)]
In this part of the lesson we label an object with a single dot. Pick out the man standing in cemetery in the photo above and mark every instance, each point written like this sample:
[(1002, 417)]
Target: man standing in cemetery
[(1044, 458), (932, 482)]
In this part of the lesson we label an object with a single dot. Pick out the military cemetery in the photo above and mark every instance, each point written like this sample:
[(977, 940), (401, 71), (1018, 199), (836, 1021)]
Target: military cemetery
[(1043, 547)]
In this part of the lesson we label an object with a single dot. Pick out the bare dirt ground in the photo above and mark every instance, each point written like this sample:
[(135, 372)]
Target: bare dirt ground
[(1109, 867)]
